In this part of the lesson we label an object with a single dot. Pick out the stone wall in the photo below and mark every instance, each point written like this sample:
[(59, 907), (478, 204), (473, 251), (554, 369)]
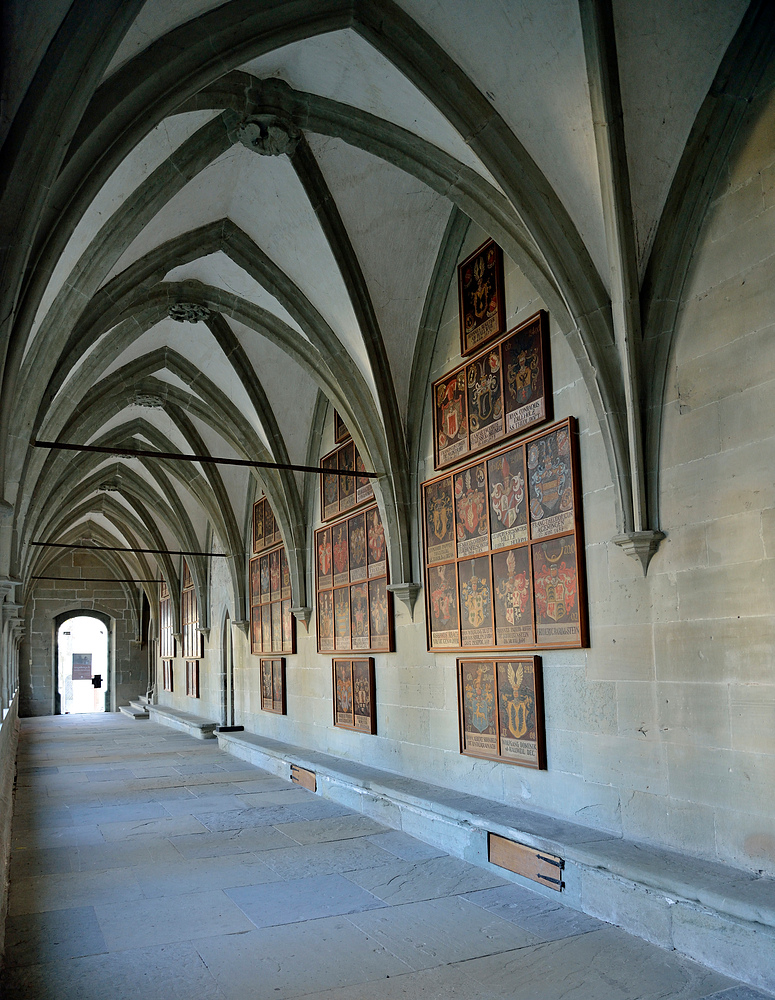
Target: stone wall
[(709, 705), (9, 738), (662, 731), (47, 599)]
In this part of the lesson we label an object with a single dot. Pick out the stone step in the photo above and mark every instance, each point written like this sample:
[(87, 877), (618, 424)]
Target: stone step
[(139, 704), (133, 712)]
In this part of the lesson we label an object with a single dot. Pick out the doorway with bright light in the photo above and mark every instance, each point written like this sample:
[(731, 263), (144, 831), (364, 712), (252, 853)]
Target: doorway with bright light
[(82, 662)]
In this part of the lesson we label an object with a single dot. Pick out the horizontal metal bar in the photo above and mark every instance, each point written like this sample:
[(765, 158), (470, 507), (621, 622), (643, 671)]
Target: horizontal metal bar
[(95, 579), (207, 459), (121, 548)]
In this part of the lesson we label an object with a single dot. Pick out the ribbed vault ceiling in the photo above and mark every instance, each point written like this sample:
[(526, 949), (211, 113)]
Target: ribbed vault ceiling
[(311, 268)]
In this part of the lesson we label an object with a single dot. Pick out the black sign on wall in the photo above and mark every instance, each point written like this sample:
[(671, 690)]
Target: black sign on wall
[(81, 666)]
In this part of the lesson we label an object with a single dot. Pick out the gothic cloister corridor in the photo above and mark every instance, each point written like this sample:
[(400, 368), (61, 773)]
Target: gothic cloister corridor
[(148, 864)]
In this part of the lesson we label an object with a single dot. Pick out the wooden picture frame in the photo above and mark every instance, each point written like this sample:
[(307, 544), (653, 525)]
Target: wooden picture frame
[(341, 433), (481, 297), (272, 626), (166, 627), (354, 694), (496, 395), (193, 640), (273, 685), (167, 675), (192, 678), (503, 549), (353, 604), (341, 494), (266, 531), (501, 710)]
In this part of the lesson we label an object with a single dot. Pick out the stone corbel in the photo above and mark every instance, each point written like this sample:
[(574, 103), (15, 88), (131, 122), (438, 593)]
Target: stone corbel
[(7, 587), (640, 545), (302, 614), (178, 637), (406, 592), (205, 632), (242, 625), (11, 613)]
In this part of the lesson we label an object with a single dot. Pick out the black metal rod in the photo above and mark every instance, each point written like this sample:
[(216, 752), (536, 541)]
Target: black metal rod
[(95, 579), (178, 457), (120, 548)]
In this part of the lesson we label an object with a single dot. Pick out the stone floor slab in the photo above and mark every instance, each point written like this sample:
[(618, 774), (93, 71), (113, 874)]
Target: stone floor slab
[(147, 922), (168, 826), (409, 882), (739, 993), (338, 828), (58, 837), (198, 874), (443, 983), (274, 962), (74, 889), (210, 845), (29, 862), (37, 938), (401, 845), (241, 819), (85, 816), (440, 931), (301, 899), (327, 858), (193, 804), (260, 782), (166, 972), (546, 918), (603, 964), (123, 854), (290, 796)]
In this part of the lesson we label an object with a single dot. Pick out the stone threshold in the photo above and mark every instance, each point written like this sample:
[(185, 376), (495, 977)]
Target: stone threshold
[(719, 916)]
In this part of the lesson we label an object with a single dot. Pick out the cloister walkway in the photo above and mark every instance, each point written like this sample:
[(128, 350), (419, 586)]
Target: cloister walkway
[(150, 865)]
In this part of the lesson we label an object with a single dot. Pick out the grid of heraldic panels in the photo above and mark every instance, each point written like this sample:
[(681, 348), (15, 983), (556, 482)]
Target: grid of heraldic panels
[(271, 622), (498, 394), (354, 606), (503, 546), (338, 494)]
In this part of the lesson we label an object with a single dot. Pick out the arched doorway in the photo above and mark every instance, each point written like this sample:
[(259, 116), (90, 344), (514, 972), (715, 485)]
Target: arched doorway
[(82, 662)]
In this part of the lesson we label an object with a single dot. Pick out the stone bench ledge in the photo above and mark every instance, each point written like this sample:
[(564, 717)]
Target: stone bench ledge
[(202, 729)]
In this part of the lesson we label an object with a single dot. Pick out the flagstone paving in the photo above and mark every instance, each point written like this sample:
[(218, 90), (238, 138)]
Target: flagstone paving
[(148, 865)]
